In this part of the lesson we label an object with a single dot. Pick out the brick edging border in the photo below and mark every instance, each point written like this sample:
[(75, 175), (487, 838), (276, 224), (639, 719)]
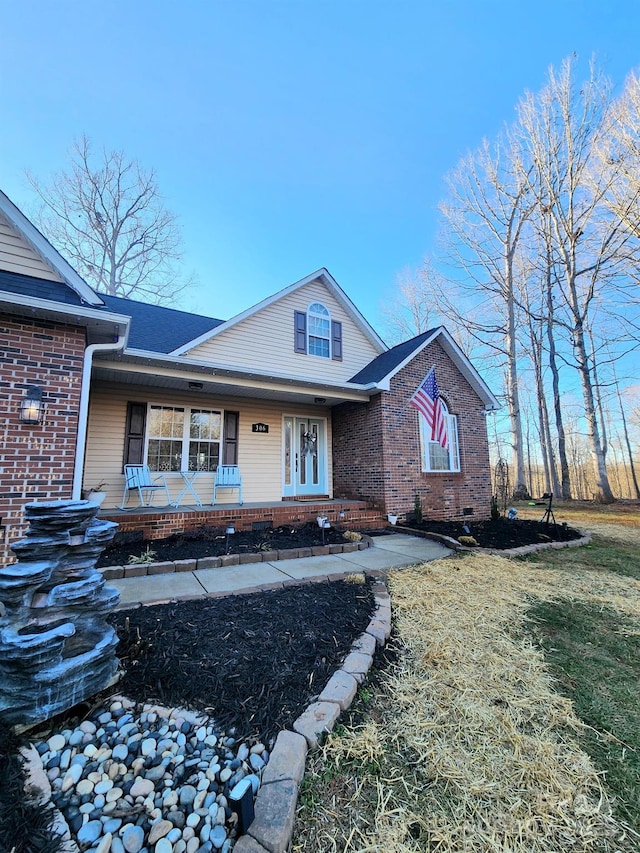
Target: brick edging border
[(138, 570), (585, 539)]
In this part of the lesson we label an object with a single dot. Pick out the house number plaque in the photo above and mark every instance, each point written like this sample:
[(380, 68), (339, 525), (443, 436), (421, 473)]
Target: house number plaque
[(259, 427)]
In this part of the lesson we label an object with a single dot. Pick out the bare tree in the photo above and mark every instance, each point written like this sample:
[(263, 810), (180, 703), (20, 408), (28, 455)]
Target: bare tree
[(412, 309), (488, 205), (563, 127), (536, 329), (106, 216), (619, 153), (625, 432)]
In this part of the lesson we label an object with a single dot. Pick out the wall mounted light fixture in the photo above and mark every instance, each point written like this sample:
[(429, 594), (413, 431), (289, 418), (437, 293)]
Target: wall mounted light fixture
[(31, 405)]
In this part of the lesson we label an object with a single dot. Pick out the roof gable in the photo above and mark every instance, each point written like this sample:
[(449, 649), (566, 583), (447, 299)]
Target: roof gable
[(42, 260), (383, 368), (322, 275)]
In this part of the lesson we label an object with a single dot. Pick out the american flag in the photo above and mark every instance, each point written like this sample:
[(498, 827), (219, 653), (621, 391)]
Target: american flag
[(427, 401)]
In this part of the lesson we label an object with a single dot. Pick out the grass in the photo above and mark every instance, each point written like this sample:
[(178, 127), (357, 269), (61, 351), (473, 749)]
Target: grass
[(594, 654), (509, 719), (602, 555)]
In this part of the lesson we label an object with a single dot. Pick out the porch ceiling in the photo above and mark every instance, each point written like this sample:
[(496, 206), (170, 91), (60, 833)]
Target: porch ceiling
[(224, 383)]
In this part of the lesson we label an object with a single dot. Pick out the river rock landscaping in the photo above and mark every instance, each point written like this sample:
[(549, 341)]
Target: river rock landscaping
[(227, 674)]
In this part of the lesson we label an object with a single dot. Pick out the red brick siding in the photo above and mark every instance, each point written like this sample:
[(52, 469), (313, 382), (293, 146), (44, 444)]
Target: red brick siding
[(36, 462), (358, 451), (160, 523), (387, 469)]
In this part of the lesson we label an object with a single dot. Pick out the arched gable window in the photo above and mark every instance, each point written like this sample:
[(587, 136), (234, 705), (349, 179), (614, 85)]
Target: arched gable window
[(319, 326), (434, 456), (315, 333)]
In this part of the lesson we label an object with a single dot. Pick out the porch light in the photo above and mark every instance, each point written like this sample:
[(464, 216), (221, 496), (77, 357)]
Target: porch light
[(31, 405)]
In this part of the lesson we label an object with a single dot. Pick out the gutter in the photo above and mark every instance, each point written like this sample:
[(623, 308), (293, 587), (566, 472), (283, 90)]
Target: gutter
[(83, 414), (61, 309), (212, 369)]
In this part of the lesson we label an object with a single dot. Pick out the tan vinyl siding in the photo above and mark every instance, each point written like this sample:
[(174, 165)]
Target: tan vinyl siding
[(265, 340), (259, 454), (17, 256)]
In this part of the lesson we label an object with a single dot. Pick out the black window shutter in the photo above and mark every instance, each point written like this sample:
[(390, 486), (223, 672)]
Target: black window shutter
[(230, 449), (336, 340), (299, 331), (134, 433)]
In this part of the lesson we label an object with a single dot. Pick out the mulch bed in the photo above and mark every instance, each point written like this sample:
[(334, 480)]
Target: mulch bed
[(24, 822), (253, 662), (213, 542), (501, 533)]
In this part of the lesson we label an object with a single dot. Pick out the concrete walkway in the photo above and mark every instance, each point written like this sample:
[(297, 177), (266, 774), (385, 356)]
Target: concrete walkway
[(387, 552)]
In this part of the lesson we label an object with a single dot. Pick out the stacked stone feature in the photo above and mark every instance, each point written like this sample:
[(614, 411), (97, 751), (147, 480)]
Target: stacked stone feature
[(56, 647)]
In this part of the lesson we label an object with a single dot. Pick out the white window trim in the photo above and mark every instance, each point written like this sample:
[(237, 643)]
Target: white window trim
[(185, 434), (454, 445), (327, 317)]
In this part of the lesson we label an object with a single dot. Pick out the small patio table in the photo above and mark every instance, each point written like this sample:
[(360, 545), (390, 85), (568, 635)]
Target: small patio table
[(189, 478)]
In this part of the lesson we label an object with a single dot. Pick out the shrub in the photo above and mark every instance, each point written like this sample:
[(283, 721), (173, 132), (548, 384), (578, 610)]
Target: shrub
[(352, 536), (495, 512), (417, 508), (147, 556)]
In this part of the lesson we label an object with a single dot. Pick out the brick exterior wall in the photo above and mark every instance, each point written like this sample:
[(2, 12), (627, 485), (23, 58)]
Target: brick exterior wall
[(358, 451), (36, 462), (376, 447), (158, 523)]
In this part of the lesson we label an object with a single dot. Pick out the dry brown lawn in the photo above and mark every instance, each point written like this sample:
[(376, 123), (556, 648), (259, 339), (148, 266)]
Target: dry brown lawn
[(465, 744)]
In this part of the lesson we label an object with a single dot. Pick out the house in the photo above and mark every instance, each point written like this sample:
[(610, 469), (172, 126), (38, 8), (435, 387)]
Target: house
[(299, 391)]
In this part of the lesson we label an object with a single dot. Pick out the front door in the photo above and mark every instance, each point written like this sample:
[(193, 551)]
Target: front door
[(304, 456)]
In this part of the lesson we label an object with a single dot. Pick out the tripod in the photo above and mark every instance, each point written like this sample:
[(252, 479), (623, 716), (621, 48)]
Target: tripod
[(548, 513)]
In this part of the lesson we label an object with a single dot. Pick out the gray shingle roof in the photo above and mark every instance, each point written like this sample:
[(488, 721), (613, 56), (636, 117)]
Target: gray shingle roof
[(40, 288), (387, 361), (159, 329)]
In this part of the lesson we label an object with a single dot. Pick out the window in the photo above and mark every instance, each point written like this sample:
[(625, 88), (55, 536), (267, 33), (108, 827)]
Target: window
[(434, 456), (319, 330), (315, 333), (181, 439)]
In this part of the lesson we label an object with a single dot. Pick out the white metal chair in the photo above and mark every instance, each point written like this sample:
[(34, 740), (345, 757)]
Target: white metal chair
[(138, 478), (227, 477)]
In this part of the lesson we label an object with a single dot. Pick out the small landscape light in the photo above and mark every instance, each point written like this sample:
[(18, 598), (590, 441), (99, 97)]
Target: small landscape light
[(241, 801), (230, 531)]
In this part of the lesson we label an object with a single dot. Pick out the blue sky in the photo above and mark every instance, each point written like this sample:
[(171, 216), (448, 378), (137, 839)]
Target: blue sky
[(287, 135)]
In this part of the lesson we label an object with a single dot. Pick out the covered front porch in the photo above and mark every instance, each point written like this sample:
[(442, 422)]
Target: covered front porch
[(184, 425), (157, 522)]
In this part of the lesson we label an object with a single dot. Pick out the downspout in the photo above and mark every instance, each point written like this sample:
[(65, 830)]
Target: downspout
[(83, 414)]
